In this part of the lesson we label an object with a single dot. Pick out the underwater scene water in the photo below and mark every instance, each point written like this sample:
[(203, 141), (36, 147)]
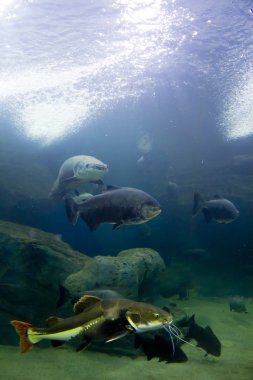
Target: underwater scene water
[(126, 166)]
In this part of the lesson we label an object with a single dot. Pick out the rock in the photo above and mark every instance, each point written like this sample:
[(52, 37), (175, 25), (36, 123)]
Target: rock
[(32, 265), (126, 273)]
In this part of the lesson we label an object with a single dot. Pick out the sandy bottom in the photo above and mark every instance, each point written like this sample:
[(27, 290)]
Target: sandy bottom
[(236, 361)]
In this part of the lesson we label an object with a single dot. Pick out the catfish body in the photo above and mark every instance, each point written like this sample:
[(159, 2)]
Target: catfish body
[(95, 320)]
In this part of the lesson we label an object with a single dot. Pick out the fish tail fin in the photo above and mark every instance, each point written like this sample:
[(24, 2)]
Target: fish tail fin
[(22, 330), (71, 210), (197, 203)]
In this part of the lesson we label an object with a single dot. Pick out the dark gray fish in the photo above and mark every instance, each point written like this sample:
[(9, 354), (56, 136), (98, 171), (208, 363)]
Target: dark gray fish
[(204, 336), (161, 347), (219, 209), (236, 304), (116, 205)]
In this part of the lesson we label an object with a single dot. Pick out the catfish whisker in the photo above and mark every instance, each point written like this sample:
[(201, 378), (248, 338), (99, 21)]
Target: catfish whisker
[(174, 332), (171, 337), (176, 328)]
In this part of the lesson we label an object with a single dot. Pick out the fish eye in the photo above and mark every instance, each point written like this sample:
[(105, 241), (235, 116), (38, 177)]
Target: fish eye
[(156, 315)]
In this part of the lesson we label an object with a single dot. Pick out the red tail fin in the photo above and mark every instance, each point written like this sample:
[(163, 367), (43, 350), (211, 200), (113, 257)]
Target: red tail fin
[(21, 328)]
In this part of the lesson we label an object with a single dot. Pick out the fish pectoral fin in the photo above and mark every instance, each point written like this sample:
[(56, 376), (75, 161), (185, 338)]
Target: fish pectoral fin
[(84, 302), (111, 187), (83, 345), (117, 336)]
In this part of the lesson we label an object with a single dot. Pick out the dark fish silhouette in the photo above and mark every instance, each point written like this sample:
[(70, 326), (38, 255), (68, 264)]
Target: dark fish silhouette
[(205, 337), (161, 347), (236, 304), (219, 209), (115, 205)]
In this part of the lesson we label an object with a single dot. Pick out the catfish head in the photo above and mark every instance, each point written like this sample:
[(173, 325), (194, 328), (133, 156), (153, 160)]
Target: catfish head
[(143, 317)]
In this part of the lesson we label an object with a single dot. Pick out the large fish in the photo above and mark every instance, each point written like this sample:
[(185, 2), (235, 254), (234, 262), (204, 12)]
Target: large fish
[(96, 320), (219, 209), (76, 171), (115, 205)]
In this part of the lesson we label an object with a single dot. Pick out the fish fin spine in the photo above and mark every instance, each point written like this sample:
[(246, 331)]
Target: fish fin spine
[(22, 328)]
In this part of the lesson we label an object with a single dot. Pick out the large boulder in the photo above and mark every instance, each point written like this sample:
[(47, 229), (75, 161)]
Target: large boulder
[(33, 264), (127, 273)]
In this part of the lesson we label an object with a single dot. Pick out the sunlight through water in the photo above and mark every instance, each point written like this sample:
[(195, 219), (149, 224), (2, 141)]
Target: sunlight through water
[(63, 64), (237, 120)]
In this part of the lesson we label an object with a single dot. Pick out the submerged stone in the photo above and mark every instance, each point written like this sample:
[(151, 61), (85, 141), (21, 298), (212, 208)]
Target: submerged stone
[(126, 273), (33, 264)]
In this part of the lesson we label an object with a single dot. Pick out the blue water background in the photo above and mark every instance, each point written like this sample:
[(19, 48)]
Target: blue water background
[(179, 94)]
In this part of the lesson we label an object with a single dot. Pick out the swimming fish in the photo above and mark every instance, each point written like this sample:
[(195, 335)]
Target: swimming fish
[(205, 337), (236, 304), (161, 347), (96, 320), (115, 205), (219, 209), (76, 171)]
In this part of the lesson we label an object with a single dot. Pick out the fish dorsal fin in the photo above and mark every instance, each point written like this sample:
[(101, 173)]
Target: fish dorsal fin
[(84, 302), (53, 320), (217, 196), (209, 330), (111, 187)]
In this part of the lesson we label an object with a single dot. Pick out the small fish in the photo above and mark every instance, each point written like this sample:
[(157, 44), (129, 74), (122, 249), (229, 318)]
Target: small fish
[(205, 337), (219, 209), (96, 320), (115, 205), (236, 304), (75, 171)]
